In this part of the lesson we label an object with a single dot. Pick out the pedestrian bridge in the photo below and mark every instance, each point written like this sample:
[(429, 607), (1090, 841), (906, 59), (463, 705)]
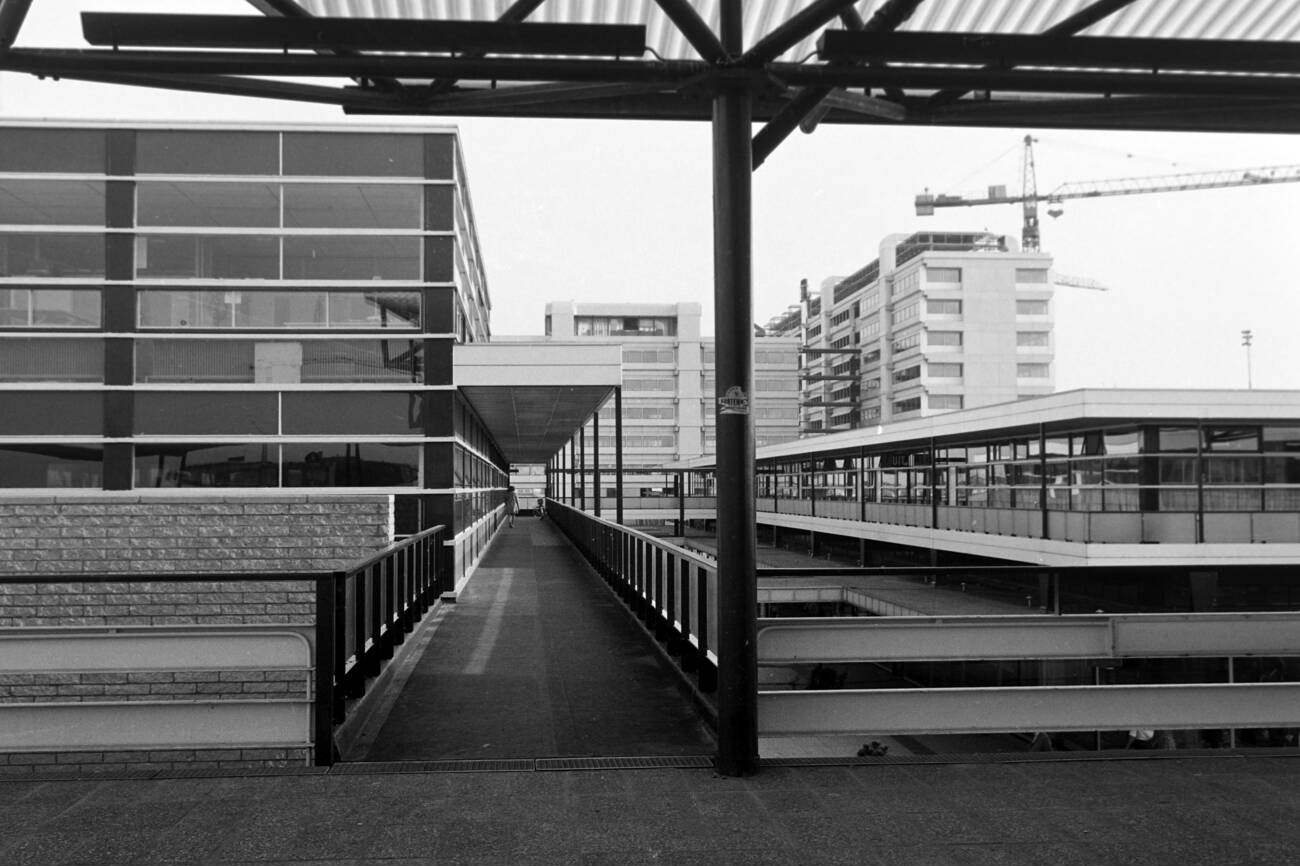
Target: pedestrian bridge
[(578, 638)]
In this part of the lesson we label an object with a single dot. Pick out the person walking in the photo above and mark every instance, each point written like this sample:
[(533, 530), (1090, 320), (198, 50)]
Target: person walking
[(512, 505)]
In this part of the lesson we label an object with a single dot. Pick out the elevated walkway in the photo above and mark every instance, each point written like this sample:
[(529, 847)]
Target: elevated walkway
[(537, 658)]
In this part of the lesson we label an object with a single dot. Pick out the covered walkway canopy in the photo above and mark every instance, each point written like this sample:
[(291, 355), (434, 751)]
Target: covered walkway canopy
[(1109, 64)]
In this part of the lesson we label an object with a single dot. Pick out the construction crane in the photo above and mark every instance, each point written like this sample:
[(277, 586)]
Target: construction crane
[(1029, 197)]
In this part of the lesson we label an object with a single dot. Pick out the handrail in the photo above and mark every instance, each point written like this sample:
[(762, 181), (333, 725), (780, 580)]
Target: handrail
[(674, 591), (362, 613)]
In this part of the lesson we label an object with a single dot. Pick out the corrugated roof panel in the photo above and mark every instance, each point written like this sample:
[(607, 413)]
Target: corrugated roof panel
[(1188, 19)]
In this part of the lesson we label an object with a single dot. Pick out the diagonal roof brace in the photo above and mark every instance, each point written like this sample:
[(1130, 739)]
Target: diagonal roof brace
[(517, 12), (291, 9), (801, 25), (805, 103), (693, 27), (12, 15)]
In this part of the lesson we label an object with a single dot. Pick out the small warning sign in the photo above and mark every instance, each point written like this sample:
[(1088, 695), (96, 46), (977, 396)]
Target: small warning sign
[(734, 402)]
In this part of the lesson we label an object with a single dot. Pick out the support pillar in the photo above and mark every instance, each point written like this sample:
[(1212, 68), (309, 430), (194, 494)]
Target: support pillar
[(582, 467), (618, 454), (595, 460), (733, 317), (681, 504)]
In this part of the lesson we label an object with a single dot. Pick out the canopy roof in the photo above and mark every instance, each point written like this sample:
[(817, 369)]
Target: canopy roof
[(1127, 64)]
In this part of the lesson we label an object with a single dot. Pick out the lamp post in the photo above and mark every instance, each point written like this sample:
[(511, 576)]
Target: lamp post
[(1246, 337)]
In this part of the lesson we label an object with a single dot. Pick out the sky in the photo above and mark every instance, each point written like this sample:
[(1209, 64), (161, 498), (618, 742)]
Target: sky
[(622, 211)]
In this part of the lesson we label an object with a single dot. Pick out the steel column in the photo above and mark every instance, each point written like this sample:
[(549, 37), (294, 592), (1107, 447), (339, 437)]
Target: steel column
[(618, 453), (595, 459), (733, 315), (582, 466)]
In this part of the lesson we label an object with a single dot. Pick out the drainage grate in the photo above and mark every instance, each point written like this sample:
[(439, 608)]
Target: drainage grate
[(484, 765), (669, 762)]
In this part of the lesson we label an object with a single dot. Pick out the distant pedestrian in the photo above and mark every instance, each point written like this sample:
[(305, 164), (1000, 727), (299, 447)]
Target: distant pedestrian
[(512, 505)]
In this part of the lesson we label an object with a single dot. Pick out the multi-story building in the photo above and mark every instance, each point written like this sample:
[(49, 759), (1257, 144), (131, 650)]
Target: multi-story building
[(202, 312), (938, 322), (668, 383)]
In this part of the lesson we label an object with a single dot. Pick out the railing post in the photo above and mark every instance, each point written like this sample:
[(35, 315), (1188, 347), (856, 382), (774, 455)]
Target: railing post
[(376, 590), (358, 686), (340, 589), (323, 711)]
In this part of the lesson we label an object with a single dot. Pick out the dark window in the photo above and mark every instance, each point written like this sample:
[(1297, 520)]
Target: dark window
[(439, 207), (206, 308), (58, 413), (206, 413), (200, 205), (336, 464), (51, 465), (24, 359), (51, 255), (49, 308), (254, 257), (194, 361), (1232, 438), (52, 150), (333, 154), (358, 413), (346, 205), (196, 465), (352, 258), (1282, 439), (207, 152), (1174, 440), (362, 360), (52, 202)]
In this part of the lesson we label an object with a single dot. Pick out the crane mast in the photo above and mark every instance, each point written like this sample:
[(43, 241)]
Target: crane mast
[(1029, 198)]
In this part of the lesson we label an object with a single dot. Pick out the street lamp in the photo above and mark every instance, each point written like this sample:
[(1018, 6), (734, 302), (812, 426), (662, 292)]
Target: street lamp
[(1245, 341)]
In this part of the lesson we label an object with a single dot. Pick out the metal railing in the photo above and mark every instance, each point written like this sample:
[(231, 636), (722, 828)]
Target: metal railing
[(672, 590), (362, 615)]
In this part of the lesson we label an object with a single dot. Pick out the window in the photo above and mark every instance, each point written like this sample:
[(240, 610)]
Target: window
[(168, 308), (943, 338), (248, 257), (337, 464), (52, 465), (769, 384), (871, 413), (871, 328), (911, 341), (1031, 275), (1031, 308), (907, 374), (906, 313), (74, 151), (351, 412), (286, 361), (1032, 371), (905, 284), (207, 205), (945, 371), (49, 308), (333, 154), (782, 357), (943, 275), (649, 356), (650, 384), (662, 413), (1032, 339), (814, 330), (352, 258), (24, 359), (207, 152), (52, 413), (206, 413), (52, 202), (52, 255), (842, 316), (335, 205), (871, 299), (624, 326), (871, 357), (945, 401), (911, 404), (942, 307)]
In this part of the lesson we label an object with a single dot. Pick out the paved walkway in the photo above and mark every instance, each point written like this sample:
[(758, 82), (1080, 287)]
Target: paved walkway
[(1188, 812), (537, 659)]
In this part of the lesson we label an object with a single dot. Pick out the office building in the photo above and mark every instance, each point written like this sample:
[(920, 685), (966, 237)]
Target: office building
[(938, 322), (216, 313)]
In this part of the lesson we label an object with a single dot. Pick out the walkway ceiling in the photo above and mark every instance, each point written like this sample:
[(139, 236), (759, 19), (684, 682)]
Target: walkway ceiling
[(533, 398), (1129, 64)]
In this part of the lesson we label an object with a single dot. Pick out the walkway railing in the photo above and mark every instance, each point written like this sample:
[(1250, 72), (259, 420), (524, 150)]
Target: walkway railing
[(362, 615), (673, 591), (169, 662)]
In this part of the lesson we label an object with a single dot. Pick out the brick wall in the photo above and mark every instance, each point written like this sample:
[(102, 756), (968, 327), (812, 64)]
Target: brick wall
[(62, 541), (42, 535)]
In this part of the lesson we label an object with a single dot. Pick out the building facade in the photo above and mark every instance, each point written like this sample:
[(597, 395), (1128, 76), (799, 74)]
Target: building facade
[(938, 322), (207, 311), (669, 387)]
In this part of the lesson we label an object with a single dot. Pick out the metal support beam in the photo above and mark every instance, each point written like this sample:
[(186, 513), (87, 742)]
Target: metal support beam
[(618, 454), (349, 98), (595, 460), (794, 30), (733, 314), (582, 466), (515, 14), (693, 27), (806, 102), (12, 15)]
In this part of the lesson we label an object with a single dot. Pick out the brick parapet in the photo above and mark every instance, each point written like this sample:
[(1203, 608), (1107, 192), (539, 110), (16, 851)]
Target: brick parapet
[(133, 686), (109, 762)]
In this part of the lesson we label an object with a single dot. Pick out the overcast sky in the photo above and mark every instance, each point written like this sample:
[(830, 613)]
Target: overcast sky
[(590, 210)]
